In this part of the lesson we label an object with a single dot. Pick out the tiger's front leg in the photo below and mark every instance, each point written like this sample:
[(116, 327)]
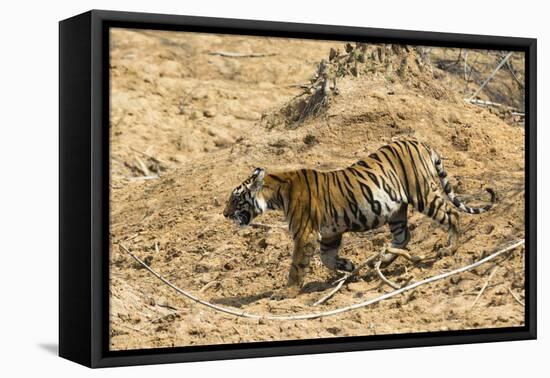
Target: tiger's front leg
[(304, 249)]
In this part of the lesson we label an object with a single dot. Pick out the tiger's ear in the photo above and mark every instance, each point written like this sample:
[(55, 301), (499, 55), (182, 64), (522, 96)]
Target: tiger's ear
[(257, 180)]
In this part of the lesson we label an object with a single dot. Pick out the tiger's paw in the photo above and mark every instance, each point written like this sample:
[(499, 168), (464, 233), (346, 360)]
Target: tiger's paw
[(286, 293)]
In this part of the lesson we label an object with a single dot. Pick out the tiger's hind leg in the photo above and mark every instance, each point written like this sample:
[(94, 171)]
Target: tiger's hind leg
[(446, 215), (400, 234), (329, 254)]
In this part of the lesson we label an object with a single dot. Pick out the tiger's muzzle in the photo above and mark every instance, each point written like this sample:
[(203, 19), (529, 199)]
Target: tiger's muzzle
[(240, 217)]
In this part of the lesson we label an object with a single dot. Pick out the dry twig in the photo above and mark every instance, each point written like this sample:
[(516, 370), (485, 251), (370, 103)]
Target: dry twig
[(229, 54), (340, 282), (466, 64), (512, 71), (484, 287), (142, 167), (516, 297), (208, 286), (331, 293), (298, 85), (145, 178), (156, 160), (382, 277)]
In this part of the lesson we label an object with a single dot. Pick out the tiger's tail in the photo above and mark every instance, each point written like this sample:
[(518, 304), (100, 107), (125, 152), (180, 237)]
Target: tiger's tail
[(436, 159)]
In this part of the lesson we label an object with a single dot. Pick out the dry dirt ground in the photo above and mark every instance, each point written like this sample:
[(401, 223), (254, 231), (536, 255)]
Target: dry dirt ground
[(188, 125)]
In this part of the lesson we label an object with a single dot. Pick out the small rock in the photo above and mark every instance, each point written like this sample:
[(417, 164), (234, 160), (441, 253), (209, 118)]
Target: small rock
[(195, 115), (201, 268), (487, 229), (501, 318), (461, 142), (148, 260), (222, 142), (262, 243), (453, 118), (246, 115), (310, 140), (209, 113), (334, 330)]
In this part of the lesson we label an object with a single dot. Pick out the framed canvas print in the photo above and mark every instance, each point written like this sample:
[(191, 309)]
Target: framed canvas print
[(233, 188)]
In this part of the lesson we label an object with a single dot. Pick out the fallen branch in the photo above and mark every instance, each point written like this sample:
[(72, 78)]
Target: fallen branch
[(228, 54), (403, 253), (485, 103), (337, 311), (502, 62), (491, 103), (513, 111)]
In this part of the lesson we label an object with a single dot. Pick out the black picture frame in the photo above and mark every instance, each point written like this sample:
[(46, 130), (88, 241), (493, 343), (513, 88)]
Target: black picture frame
[(84, 188)]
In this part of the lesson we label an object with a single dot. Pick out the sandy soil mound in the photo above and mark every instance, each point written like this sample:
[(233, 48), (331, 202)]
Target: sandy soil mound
[(188, 124)]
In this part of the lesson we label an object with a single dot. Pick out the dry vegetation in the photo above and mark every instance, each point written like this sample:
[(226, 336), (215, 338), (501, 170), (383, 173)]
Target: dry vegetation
[(190, 120)]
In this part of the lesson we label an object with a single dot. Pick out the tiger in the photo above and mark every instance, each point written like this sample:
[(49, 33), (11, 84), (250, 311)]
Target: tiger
[(320, 206)]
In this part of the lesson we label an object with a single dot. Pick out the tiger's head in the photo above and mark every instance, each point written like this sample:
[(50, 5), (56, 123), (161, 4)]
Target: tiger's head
[(243, 204)]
